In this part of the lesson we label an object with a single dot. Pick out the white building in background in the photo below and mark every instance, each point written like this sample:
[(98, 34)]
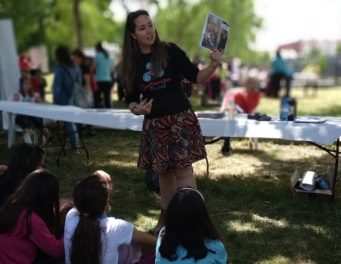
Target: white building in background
[(39, 57), (327, 47), (301, 47)]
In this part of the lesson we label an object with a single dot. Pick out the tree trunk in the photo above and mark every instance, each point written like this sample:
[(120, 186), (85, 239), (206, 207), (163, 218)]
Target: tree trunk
[(78, 23)]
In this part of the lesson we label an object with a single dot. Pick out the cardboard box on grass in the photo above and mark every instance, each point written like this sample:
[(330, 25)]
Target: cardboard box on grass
[(316, 194)]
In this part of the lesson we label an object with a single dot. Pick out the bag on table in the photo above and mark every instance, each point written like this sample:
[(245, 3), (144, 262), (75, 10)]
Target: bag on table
[(81, 96)]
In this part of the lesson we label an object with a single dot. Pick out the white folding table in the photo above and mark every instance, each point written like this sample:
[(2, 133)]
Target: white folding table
[(321, 135)]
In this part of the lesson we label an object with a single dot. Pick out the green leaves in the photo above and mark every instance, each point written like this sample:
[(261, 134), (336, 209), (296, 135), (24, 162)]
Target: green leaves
[(52, 22), (182, 23)]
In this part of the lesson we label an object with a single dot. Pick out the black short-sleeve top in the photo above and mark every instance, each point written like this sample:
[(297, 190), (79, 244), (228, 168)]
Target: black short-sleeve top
[(165, 88)]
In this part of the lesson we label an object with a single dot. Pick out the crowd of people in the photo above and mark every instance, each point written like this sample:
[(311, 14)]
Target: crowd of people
[(97, 76), (79, 80), (36, 226)]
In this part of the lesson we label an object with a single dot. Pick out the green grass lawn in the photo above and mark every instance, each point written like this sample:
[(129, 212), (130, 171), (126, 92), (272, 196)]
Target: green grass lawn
[(247, 191)]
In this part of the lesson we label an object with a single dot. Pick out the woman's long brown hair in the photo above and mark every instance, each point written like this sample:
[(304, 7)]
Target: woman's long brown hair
[(131, 53)]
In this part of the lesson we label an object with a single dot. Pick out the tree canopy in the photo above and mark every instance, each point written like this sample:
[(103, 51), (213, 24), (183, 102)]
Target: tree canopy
[(84, 22), (182, 23), (52, 22)]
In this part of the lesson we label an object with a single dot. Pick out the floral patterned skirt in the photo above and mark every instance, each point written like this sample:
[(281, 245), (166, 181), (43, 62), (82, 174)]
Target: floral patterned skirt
[(171, 142)]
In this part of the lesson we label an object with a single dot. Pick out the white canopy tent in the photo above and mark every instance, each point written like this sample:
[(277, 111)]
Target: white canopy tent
[(9, 68)]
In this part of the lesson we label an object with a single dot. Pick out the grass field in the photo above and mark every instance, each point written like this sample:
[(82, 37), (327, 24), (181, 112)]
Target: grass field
[(247, 191)]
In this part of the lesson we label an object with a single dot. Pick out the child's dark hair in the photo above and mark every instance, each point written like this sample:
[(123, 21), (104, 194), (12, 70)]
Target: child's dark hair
[(38, 193), (91, 200), (24, 159), (187, 224), (21, 83)]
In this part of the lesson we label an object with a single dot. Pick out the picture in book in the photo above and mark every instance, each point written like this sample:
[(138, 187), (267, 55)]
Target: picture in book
[(215, 33)]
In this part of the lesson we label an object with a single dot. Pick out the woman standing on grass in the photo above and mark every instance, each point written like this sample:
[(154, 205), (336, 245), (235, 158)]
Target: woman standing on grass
[(171, 139)]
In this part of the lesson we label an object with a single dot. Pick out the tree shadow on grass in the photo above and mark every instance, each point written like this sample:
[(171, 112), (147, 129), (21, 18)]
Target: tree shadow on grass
[(261, 222), (255, 213)]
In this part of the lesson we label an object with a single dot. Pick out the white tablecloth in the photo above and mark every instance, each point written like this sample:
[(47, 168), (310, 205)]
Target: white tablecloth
[(323, 133)]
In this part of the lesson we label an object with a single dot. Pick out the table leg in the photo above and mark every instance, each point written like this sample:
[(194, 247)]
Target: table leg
[(11, 130), (336, 167)]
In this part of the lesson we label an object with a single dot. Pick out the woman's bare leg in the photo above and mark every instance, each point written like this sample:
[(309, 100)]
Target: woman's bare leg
[(173, 180), (168, 187), (185, 177), (169, 183)]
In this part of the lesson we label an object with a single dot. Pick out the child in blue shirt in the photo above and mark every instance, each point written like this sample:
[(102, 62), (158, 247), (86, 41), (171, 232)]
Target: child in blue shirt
[(189, 235)]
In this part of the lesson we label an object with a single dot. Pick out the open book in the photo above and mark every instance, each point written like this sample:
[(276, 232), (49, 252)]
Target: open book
[(215, 33)]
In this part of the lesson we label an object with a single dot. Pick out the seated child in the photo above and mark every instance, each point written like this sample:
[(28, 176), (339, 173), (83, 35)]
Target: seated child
[(90, 236), (66, 204), (189, 235), (26, 123), (24, 159), (245, 100), (28, 219)]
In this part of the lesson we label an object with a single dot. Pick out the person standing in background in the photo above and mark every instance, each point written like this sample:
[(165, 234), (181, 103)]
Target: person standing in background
[(104, 67), (279, 71), (90, 63), (80, 61), (65, 76)]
